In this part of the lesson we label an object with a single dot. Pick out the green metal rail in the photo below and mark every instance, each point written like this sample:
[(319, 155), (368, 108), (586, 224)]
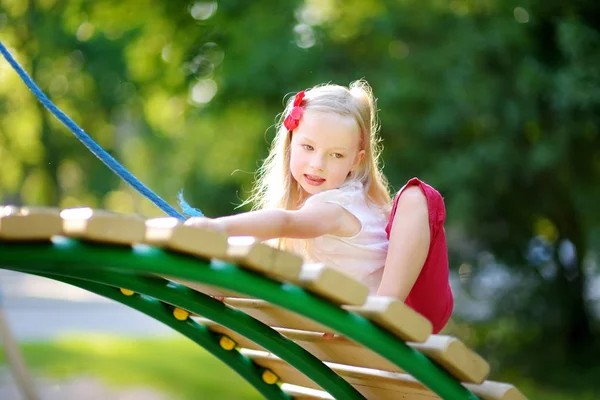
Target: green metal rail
[(200, 304), (79, 257), (196, 332)]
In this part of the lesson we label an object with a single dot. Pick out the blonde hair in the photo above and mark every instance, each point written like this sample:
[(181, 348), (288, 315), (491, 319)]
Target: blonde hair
[(276, 188)]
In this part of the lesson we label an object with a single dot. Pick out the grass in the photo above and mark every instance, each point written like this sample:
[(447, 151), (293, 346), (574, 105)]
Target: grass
[(175, 367), (180, 369)]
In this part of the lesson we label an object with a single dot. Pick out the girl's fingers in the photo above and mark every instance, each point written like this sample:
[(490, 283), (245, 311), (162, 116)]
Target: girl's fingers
[(196, 221)]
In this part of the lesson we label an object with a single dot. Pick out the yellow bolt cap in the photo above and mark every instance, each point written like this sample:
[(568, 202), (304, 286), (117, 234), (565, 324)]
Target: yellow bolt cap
[(180, 314), (127, 292), (269, 377), (227, 343)]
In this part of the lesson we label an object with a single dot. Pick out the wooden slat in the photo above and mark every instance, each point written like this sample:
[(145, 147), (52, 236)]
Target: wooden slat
[(170, 233), (337, 349), (332, 284), (207, 289), (383, 385), (452, 354), (248, 252), (496, 390), (274, 316), (409, 388), (29, 224), (490, 390), (396, 317), (302, 393), (102, 226)]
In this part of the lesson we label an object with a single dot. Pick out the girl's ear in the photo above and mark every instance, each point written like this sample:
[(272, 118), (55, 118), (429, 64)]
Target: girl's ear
[(359, 156)]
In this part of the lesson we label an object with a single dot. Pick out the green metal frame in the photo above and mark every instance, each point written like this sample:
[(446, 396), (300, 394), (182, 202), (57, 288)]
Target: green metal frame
[(200, 304), (196, 332), (80, 258)]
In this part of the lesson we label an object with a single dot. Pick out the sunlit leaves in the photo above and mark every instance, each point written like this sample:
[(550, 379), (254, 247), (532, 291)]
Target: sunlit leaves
[(23, 131), (15, 8), (36, 187), (12, 170), (164, 113)]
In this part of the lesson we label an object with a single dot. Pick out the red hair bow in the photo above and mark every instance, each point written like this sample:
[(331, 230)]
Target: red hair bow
[(293, 119)]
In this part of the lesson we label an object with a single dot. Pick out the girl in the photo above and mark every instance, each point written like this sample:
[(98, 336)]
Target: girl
[(321, 193)]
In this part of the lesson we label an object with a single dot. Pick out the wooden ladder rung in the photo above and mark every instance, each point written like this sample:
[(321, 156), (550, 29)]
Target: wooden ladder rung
[(284, 266), (455, 357), (171, 234), (378, 384), (207, 289), (250, 253), (303, 393), (29, 223), (337, 349), (490, 390), (396, 317), (331, 284), (273, 315), (102, 226), (450, 353), (370, 388)]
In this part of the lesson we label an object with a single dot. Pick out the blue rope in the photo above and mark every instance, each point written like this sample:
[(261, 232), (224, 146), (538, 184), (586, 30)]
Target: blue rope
[(93, 146), (186, 208)]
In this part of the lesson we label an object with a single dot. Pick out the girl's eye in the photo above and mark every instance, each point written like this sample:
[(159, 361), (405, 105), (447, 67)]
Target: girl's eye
[(307, 147), (337, 155)]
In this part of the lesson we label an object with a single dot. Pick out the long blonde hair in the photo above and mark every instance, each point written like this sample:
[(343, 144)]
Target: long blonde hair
[(276, 188)]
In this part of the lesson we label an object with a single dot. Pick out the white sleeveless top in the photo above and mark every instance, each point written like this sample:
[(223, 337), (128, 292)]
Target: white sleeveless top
[(361, 256)]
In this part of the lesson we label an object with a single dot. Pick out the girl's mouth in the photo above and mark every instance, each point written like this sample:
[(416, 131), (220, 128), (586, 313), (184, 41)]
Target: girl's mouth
[(314, 180)]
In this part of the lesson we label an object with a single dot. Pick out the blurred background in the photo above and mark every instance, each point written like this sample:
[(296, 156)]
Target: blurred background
[(494, 103)]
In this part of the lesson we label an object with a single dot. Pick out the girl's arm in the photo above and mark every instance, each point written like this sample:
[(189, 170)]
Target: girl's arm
[(310, 221), (409, 245)]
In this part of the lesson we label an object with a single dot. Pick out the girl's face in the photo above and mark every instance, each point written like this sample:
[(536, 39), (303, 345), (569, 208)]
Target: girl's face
[(324, 149)]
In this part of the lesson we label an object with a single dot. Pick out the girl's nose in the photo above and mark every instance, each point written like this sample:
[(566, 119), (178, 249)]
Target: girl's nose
[(317, 162)]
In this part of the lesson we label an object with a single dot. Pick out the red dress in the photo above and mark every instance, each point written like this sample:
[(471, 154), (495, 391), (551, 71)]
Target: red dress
[(431, 295)]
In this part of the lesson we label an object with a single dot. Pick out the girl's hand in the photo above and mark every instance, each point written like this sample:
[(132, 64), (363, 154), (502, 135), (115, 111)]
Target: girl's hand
[(203, 222)]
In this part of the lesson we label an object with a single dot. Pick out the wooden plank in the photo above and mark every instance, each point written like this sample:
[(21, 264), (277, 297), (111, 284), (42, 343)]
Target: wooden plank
[(452, 354), (250, 253), (274, 316), (29, 223), (338, 349), (332, 284), (377, 384), (396, 317), (207, 289), (102, 226), (302, 393), (409, 389), (171, 234), (490, 390), (505, 391)]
